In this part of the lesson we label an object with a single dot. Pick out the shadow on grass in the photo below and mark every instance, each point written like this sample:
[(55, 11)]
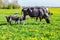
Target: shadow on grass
[(32, 23), (2, 24)]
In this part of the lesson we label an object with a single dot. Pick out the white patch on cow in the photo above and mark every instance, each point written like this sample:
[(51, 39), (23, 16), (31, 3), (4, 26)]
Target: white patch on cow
[(41, 11), (27, 16), (25, 9), (46, 8), (10, 19), (18, 21), (47, 14), (31, 10)]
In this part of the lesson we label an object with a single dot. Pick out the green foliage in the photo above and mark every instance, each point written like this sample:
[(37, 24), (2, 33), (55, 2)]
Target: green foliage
[(16, 6), (32, 30), (10, 6)]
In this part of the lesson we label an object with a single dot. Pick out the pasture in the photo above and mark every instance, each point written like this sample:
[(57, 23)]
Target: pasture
[(32, 30)]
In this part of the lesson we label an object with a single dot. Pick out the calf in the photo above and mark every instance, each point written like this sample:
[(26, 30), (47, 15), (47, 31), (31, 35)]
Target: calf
[(12, 18)]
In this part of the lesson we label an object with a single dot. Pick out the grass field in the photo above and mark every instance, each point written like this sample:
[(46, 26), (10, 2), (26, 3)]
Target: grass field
[(32, 30)]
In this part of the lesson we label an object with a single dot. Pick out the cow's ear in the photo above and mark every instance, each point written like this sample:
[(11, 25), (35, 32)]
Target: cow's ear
[(28, 9)]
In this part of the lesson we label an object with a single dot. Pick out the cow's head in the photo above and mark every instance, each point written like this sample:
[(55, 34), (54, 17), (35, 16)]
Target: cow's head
[(49, 13)]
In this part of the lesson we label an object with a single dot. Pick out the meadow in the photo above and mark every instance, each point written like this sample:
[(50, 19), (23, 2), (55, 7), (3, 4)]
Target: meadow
[(32, 30)]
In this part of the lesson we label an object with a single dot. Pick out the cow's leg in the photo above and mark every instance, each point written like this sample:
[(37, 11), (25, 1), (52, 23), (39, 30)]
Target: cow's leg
[(24, 18), (24, 22), (40, 18), (18, 21), (36, 19), (9, 22)]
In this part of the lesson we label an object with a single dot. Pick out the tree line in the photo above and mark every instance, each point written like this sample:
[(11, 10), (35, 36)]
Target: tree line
[(4, 4)]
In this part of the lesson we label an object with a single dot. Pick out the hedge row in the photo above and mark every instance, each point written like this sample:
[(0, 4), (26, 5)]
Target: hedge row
[(10, 6)]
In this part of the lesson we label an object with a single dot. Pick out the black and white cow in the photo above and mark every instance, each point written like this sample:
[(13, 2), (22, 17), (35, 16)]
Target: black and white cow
[(13, 18), (36, 12)]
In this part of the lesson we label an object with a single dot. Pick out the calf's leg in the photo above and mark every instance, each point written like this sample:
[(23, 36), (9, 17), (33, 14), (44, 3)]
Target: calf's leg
[(9, 22)]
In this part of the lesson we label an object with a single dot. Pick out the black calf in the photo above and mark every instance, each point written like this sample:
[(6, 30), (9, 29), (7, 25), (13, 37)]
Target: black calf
[(12, 18)]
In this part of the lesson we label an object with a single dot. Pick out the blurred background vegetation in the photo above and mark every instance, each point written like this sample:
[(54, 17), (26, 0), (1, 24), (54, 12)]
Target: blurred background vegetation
[(4, 4)]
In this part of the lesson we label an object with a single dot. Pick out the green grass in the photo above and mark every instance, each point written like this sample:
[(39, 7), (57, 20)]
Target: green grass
[(32, 30)]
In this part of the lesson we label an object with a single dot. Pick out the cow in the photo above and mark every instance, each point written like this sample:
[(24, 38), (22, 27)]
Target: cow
[(35, 12), (13, 18)]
